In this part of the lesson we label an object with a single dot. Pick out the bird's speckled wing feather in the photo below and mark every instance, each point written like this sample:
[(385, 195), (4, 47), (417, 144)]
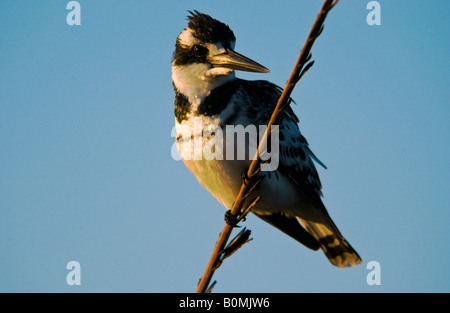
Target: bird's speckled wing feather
[(296, 158)]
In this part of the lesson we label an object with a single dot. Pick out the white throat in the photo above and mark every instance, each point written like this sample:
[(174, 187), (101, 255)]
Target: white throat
[(197, 80)]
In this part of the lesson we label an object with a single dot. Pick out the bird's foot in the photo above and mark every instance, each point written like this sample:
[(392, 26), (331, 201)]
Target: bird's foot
[(231, 219)]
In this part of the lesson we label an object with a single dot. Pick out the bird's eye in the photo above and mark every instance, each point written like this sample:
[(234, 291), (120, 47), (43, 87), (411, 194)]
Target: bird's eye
[(199, 50)]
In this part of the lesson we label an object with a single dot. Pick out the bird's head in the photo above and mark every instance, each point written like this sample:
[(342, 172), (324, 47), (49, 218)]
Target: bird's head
[(204, 57)]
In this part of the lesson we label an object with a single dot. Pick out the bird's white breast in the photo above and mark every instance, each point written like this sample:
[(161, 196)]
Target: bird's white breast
[(201, 144)]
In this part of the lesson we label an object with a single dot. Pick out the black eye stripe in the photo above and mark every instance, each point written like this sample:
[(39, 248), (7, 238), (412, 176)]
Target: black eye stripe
[(200, 50), (186, 55)]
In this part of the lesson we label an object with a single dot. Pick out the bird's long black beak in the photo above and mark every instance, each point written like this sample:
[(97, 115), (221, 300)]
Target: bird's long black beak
[(236, 61)]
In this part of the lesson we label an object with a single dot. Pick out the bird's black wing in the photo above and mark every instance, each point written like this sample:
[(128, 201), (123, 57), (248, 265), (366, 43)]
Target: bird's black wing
[(290, 226), (295, 156), (296, 162), (295, 159)]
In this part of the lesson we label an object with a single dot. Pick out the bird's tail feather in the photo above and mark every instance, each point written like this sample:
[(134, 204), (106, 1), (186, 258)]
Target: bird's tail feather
[(336, 248)]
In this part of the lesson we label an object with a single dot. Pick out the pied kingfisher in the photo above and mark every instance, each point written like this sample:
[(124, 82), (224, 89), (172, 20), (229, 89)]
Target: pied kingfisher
[(207, 92)]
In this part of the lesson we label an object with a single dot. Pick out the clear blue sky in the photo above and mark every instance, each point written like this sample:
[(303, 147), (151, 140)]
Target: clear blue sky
[(86, 173)]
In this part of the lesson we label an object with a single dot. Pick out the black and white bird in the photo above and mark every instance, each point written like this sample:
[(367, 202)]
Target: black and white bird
[(209, 96)]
